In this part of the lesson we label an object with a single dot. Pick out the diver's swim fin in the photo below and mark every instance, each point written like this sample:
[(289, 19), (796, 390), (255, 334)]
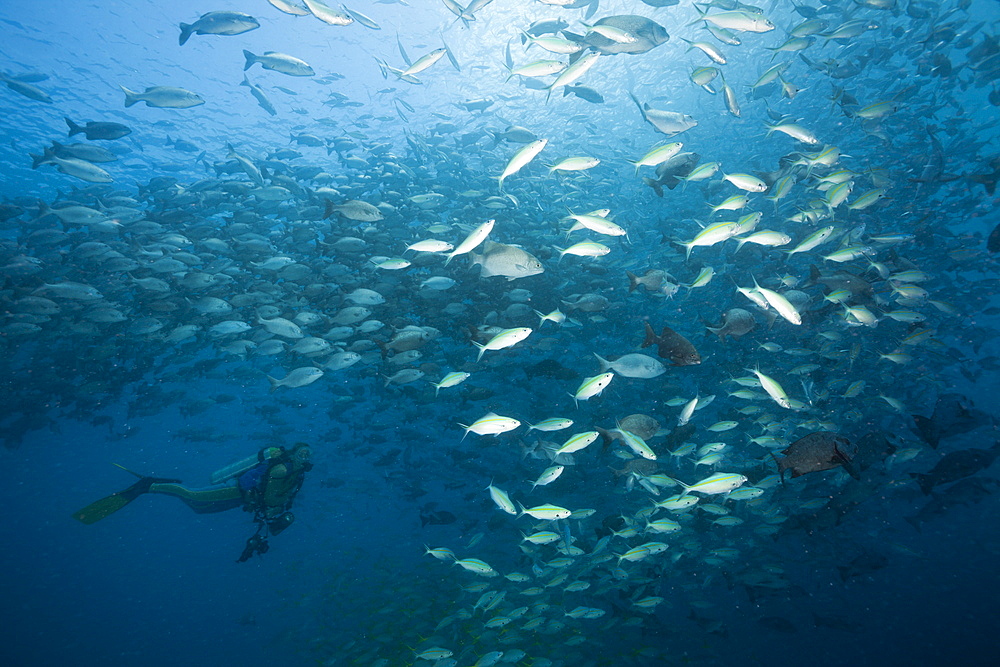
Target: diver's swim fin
[(104, 507)]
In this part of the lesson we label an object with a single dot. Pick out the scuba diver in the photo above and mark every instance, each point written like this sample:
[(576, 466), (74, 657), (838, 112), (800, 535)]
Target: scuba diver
[(266, 485)]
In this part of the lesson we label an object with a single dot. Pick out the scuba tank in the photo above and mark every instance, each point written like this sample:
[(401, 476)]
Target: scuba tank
[(234, 470)]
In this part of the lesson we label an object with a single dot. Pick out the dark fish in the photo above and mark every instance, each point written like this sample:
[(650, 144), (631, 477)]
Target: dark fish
[(953, 415), (815, 452), (841, 623), (99, 130), (873, 448), (956, 465), (862, 564), (661, 3), (679, 435), (550, 368), (735, 323), (670, 172), (933, 170), (429, 517), (649, 34), (584, 93), (8, 211), (841, 280), (993, 242), (778, 624), (183, 145), (989, 181), (673, 346), (966, 492)]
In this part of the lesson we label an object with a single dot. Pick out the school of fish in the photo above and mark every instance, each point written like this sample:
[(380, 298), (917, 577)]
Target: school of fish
[(653, 286)]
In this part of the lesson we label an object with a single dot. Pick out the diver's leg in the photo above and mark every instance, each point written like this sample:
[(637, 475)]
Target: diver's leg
[(107, 506), (205, 501)]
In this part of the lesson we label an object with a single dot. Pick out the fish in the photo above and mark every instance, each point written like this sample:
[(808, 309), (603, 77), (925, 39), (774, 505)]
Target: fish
[(99, 130), (521, 159), (299, 377), (354, 209), (953, 415), (431, 517), (163, 97), (648, 35), (633, 365), (218, 23), (816, 452), (670, 172), (956, 465), (86, 152), (669, 123), (673, 346), (278, 62), (26, 89), (75, 167), (967, 491), (736, 322), (259, 95), (862, 564), (584, 93), (327, 14), (509, 261)]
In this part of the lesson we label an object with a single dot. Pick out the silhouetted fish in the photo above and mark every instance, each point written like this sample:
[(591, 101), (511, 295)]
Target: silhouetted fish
[(965, 492), (952, 416), (864, 563), (778, 624), (550, 368), (956, 465), (648, 35), (673, 346), (815, 452), (428, 516)]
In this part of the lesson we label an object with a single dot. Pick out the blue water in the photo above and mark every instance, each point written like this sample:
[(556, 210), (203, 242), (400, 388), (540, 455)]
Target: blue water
[(349, 583)]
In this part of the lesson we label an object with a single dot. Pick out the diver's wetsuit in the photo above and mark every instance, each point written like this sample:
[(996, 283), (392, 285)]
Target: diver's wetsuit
[(279, 479), (205, 501)]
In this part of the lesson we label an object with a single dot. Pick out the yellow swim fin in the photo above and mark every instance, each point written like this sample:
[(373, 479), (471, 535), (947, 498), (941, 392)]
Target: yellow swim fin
[(104, 507)]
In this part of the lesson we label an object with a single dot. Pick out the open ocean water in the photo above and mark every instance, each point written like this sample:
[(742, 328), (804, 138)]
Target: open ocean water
[(694, 361)]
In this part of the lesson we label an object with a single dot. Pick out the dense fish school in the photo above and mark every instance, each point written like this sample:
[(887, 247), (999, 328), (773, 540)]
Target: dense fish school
[(624, 332)]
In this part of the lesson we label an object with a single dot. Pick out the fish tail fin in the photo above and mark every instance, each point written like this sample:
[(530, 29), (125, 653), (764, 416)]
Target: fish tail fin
[(131, 97), (246, 82), (186, 30), (989, 182), (251, 59), (274, 384), (605, 364), (633, 281), (651, 336), (76, 129), (924, 481), (813, 273)]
